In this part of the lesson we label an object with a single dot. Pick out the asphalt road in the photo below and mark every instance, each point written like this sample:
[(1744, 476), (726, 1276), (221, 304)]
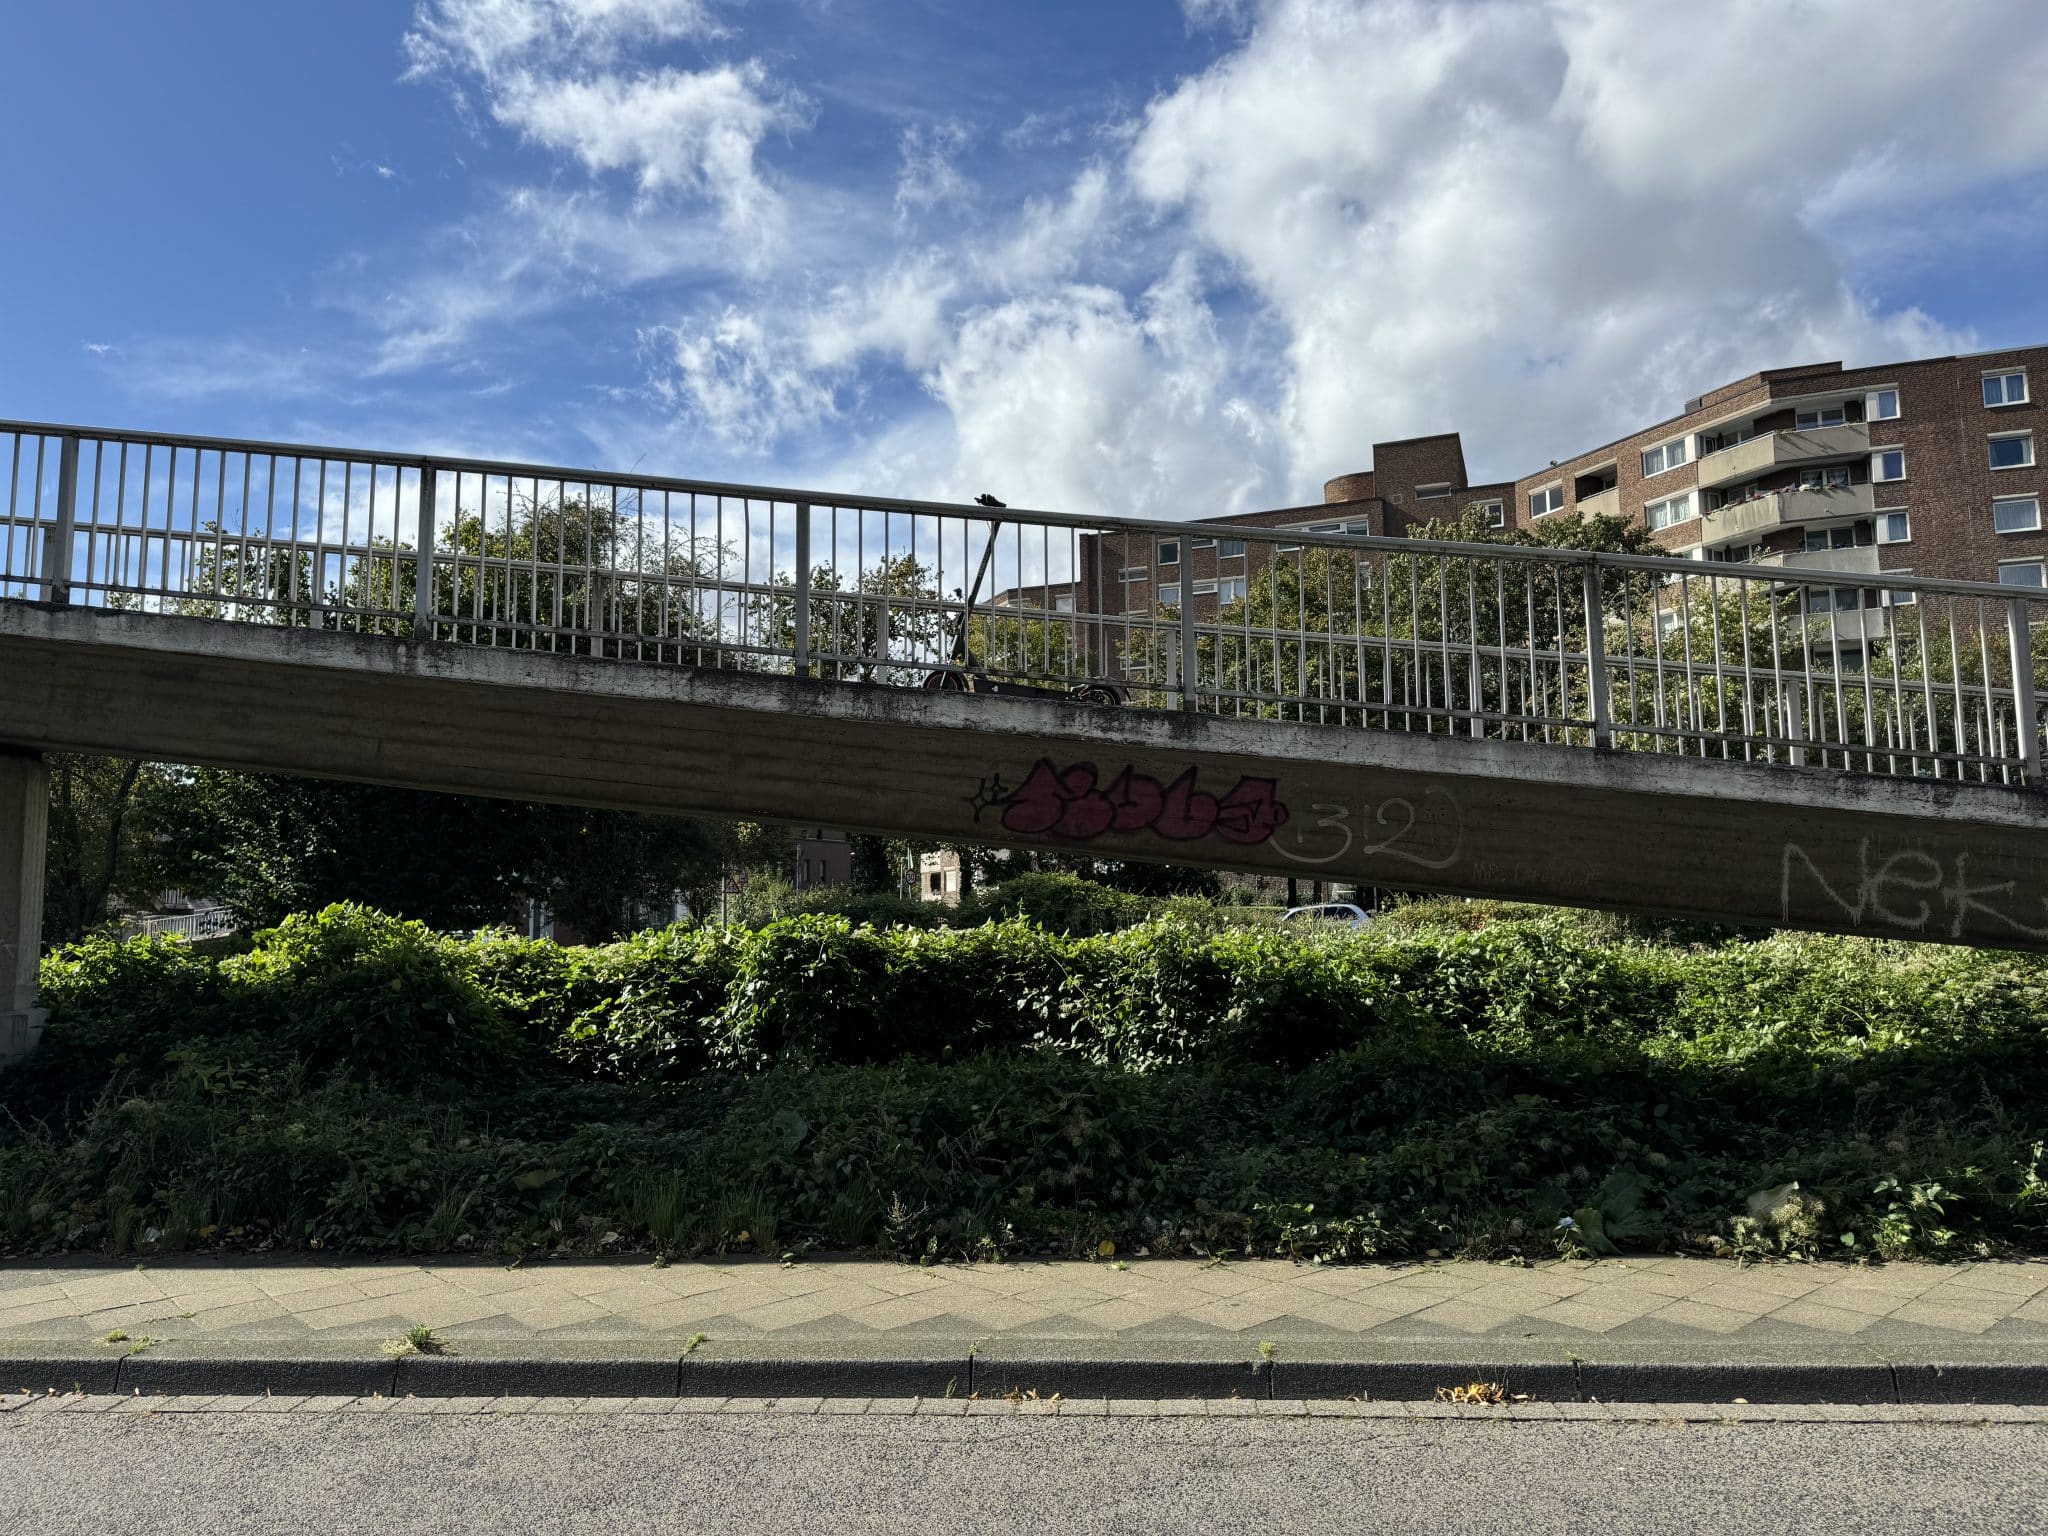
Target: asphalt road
[(611, 1472)]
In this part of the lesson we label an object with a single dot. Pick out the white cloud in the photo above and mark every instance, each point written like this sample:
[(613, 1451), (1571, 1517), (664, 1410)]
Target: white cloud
[(485, 37), (746, 385), (1545, 222), (1078, 400), (929, 178), (675, 131)]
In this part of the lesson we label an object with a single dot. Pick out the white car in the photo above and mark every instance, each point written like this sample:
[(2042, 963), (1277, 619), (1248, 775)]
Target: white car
[(1340, 912)]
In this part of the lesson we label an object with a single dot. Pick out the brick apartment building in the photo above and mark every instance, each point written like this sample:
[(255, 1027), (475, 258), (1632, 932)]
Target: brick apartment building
[(1928, 468)]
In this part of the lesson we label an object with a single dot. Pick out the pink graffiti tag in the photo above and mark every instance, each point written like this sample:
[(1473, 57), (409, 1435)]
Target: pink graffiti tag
[(1070, 803)]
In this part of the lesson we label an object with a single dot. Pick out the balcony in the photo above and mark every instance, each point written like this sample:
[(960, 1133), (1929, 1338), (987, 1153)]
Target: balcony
[(1858, 561), (1600, 504), (1784, 450), (1760, 514)]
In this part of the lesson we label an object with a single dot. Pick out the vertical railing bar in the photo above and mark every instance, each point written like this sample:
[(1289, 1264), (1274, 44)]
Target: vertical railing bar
[(2019, 632)]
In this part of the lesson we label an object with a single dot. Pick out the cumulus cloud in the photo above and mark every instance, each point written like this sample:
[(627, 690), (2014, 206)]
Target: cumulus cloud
[(1544, 222), (1540, 222), (572, 76), (675, 131)]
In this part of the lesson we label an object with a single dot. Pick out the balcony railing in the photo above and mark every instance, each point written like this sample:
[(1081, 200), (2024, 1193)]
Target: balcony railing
[(1775, 509), (1777, 450)]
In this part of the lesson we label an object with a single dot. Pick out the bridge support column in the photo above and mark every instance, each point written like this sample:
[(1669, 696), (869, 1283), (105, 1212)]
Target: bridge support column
[(24, 820)]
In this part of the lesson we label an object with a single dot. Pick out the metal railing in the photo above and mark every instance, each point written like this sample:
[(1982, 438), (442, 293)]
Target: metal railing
[(1774, 665)]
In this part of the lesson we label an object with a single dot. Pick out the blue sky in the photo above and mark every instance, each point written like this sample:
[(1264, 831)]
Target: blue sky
[(1144, 257)]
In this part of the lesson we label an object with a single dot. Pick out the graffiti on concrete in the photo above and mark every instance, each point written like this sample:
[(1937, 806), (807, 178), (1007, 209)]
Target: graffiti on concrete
[(1078, 804), (1910, 890), (1393, 827)]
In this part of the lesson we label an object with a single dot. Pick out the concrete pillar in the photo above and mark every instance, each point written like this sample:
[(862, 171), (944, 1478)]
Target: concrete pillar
[(24, 823)]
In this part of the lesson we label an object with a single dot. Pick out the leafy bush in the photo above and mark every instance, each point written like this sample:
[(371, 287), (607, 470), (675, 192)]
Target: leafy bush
[(875, 909), (1517, 1085), (1057, 903), (351, 988)]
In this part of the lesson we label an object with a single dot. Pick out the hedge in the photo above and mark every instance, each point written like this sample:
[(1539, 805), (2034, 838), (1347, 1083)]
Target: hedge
[(355, 1081)]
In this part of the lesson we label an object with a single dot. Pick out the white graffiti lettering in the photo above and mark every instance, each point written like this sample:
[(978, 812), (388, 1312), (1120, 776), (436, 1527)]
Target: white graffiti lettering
[(1395, 821), (1909, 890)]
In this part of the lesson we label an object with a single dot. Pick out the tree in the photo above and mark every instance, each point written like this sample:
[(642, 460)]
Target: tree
[(265, 846), (98, 847)]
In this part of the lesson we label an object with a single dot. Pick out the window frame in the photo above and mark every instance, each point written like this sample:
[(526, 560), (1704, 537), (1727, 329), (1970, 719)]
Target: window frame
[(1556, 489), (2029, 497), (1879, 518), (1128, 574), (1207, 587), (2001, 375), (1666, 463), (1496, 512), (1870, 399), (1225, 552), (2038, 565), (1877, 458), (1161, 555), (1436, 490), (1167, 592), (1243, 582), (1691, 511), (2021, 435), (1817, 414)]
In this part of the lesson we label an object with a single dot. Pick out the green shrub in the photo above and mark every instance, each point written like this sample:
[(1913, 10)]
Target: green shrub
[(1057, 903), (354, 989), (874, 909), (1171, 1085)]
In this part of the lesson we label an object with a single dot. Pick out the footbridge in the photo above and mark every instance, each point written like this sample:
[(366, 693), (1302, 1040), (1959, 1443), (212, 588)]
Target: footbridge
[(1761, 743)]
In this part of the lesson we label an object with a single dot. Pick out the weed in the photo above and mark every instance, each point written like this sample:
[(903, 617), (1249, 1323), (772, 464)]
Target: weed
[(418, 1340), (691, 1344)]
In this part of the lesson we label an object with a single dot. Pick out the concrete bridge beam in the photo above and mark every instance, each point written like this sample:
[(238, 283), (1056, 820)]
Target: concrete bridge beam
[(24, 818)]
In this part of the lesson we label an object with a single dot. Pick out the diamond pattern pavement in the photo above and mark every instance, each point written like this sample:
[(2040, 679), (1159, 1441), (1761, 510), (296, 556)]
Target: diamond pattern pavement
[(216, 1304)]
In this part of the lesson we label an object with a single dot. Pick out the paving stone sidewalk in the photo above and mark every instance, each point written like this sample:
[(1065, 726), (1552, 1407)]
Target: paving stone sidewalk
[(1650, 1308)]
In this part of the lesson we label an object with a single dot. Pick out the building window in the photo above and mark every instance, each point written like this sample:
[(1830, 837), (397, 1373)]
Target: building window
[(2016, 514), (1169, 551), (1203, 543), (1881, 405), (1665, 514), (1826, 416), (2006, 388), (1205, 589), (1833, 478), (1664, 456), (1901, 597), (1495, 512), (1546, 501), (1894, 528), (1834, 600), (2012, 450), (2022, 573), (1435, 492), (937, 882), (1841, 536), (1170, 592), (1230, 549), (1232, 589), (1133, 572), (1888, 464)]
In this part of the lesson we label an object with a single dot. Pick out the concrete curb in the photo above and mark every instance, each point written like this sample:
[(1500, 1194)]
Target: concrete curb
[(1149, 1380)]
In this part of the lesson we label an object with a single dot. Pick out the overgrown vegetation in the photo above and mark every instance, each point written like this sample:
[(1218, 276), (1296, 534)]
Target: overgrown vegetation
[(1462, 1079)]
